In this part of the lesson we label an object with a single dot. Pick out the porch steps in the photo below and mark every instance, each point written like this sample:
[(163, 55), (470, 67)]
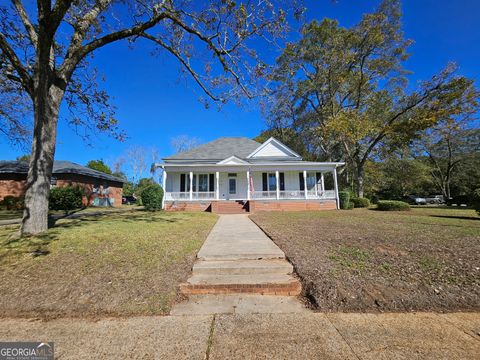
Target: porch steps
[(231, 207)]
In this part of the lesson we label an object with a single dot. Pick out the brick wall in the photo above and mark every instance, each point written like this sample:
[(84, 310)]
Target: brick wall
[(285, 205), (14, 184), (289, 205), (188, 206)]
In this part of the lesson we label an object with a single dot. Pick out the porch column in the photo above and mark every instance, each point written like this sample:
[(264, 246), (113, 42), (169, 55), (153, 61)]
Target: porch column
[(248, 185), (277, 184), (305, 183), (217, 185), (191, 185), (322, 180), (335, 183), (164, 186)]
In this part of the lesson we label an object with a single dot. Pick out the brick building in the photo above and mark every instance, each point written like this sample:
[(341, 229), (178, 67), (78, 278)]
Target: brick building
[(100, 189)]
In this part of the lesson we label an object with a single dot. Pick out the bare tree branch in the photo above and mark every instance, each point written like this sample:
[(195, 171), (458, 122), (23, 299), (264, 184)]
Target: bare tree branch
[(32, 33), (25, 77)]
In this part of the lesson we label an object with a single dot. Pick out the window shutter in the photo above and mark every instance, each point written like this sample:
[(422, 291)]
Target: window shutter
[(282, 181), (301, 182), (211, 181), (182, 182), (264, 182)]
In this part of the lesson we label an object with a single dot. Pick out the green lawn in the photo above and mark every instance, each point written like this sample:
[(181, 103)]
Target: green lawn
[(423, 259), (117, 264)]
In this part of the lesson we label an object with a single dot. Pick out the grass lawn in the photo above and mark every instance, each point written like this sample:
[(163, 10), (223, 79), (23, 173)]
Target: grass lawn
[(367, 260), (117, 264)]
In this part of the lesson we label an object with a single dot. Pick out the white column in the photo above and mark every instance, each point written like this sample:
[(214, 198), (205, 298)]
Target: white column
[(191, 185), (277, 184), (248, 185), (217, 185), (164, 186), (335, 183), (322, 179), (305, 183)]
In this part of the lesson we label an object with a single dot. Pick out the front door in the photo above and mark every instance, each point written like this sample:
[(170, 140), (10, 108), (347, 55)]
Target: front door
[(232, 188)]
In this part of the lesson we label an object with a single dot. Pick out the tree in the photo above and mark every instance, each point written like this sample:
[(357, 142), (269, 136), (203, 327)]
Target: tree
[(446, 146), (182, 143), (349, 88), (25, 157), (45, 52), (99, 165)]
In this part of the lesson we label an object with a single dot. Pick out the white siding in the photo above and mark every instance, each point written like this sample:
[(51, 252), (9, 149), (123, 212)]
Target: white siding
[(271, 150)]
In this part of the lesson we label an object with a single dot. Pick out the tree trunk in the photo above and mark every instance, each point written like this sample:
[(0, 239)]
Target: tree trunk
[(47, 99), (359, 177)]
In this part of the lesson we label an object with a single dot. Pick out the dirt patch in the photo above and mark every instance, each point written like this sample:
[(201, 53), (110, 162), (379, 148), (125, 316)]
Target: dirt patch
[(363, 260)]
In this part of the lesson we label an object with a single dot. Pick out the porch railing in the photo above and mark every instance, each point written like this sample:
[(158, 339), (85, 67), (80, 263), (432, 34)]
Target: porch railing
[(201, 195), (257, 195)]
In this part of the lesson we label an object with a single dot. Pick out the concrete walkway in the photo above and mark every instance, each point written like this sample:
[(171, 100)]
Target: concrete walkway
[(257, 336), (239, 270)]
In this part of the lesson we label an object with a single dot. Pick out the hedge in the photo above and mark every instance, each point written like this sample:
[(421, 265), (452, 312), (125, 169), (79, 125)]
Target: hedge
[(13, 202), (152, 197), (391, 205), (360, 202), (66, 198), (476, 200), (344, 197)]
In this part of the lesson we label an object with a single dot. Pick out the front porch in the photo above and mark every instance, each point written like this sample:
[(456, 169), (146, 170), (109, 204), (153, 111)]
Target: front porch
[(202, 190)]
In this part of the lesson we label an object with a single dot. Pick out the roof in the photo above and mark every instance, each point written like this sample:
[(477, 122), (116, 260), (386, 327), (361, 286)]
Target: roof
[(59, 167), (219, 149)]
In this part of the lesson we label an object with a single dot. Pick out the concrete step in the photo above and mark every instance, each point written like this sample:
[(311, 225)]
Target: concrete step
[(242, 267), (265, 284), (240, 256), (238, 304)]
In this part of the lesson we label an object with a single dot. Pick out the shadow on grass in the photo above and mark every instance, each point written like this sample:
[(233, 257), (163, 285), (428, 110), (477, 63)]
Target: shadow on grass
[(456, 217)]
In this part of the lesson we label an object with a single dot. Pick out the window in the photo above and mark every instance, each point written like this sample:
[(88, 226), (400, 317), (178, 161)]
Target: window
[(272, 182), (53, 182), (200, 182), (311, 180), (232, 174), (232, 186), (203, 182)]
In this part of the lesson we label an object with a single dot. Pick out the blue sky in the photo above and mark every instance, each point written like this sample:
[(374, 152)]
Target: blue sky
[(153, 106)]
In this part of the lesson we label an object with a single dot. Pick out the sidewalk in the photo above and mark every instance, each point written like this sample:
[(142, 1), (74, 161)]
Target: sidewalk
[(258, 336)]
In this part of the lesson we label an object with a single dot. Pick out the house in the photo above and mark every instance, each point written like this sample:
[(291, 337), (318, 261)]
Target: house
[(100, 189), (236, 174)]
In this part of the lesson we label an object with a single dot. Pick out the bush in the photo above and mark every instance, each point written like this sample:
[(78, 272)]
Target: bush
[(476, 200), (392, 205), (360, 202), (152, 197), (13, 202), (66, 198), (344, 197)]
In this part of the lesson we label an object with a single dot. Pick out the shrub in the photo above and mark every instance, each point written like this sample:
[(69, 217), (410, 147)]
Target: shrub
[(66, 198), (344, 197), (360, 202), (152, 197), (13, 202), (476, 200), (392, 205)]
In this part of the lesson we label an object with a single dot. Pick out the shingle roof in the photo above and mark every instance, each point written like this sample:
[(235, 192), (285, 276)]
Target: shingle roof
[(219, 149), (59, 167)]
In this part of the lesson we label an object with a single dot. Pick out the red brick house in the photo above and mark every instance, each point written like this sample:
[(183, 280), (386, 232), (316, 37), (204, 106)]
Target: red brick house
[(100, 189)]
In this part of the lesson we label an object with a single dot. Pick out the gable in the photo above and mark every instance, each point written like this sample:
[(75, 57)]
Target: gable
[(272, 148), (232, 160)]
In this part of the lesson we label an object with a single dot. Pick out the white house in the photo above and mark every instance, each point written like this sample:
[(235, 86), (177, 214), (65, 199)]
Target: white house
[(235, 174)]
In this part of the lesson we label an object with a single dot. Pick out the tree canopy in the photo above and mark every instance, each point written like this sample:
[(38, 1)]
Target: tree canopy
[(99, 165)]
